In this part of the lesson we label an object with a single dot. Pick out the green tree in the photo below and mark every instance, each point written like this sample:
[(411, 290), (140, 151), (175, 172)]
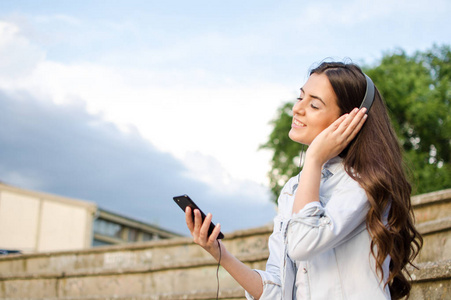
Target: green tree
[(417, 91)]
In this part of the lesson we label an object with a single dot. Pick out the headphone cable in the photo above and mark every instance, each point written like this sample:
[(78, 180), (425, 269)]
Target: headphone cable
[(217, 270)]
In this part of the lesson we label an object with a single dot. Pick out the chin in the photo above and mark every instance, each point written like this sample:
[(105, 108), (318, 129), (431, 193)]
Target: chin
[(298, 139), (302, 143)]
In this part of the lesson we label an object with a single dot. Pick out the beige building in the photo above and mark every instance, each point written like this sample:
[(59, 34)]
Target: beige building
[(38, 222)]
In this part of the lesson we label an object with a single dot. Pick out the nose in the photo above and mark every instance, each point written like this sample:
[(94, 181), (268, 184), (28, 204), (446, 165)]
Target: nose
[(298, 108)]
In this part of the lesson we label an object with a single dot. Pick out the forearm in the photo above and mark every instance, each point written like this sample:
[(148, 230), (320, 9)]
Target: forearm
[(244, 275), (309, 182)]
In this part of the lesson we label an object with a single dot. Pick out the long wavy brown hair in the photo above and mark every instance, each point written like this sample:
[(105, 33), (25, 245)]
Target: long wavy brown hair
[(374, 160)]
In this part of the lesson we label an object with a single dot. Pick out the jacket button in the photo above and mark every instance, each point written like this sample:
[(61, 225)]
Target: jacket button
[(304, 270)]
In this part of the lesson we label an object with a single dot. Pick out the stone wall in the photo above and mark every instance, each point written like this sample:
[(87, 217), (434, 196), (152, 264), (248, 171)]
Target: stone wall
[(179, 269)]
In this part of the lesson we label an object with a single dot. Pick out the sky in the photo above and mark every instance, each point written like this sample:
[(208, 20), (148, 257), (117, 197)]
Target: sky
[(129, 103)]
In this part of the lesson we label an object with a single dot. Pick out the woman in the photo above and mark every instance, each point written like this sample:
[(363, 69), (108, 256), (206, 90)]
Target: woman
[(344, 228)]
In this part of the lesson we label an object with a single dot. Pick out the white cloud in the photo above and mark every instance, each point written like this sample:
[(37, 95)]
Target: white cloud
[(210, 90), (209, 170), (18, 56), (172, 109)]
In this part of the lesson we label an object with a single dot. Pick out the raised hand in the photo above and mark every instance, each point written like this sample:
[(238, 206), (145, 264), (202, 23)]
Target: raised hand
[(199, 231), (334, 139), (326, 145)]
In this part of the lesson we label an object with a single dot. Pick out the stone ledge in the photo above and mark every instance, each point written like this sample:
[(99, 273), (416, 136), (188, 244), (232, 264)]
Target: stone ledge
[(430, 198), (180, 241), (194, 263), (428, 272), (266, 229), (431, 271), (237, 293), (434, 226), (174, 242)]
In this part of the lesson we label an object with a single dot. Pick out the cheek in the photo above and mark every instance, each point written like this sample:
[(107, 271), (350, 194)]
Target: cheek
[(331, 119), (323, 125)]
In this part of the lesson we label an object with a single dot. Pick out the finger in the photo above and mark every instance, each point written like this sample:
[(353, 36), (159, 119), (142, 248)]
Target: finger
[(359, 125), (358, 119), (214, 235), (197, 221), (348, 120), (335, 124), (205, 226), (189, 218), (358, 116)]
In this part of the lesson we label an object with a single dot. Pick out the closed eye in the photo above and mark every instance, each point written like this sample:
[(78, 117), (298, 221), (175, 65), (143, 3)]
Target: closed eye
[(311, 105)]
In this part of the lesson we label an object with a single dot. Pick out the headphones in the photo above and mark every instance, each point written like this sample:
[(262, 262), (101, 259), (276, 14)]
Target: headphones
[(369, 94)]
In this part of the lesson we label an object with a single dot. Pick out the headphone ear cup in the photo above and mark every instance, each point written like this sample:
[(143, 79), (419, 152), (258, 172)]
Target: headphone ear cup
[(369, 94)]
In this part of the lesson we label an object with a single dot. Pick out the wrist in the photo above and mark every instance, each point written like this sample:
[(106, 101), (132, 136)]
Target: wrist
[(216, 252), (312, 161)]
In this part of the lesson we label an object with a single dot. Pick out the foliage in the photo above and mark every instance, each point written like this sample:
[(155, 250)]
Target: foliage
[(417, 91), (286, 153)]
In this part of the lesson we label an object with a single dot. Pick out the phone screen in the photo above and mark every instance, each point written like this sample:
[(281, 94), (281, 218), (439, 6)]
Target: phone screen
[(184, 200)]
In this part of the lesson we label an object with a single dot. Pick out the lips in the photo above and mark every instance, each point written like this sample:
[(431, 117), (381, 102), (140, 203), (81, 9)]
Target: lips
[(298, 123)]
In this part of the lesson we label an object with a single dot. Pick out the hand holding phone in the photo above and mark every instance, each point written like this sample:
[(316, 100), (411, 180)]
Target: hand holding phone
[(184, 201)]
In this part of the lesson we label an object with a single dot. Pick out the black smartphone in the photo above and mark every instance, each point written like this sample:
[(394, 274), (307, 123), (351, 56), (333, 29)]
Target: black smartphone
[(184, 200)]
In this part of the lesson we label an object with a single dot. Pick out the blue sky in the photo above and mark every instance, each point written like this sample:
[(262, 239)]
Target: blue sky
[(170, 97)]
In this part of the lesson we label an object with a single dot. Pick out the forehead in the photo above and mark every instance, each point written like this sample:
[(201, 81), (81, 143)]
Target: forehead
[(318, 85)]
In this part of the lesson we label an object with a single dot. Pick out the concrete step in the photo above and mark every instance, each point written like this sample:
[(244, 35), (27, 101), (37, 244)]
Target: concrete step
[(431, 281), (155, 255), (190, 276), (228, 294), (437, 240), (168, 267), (167, 255), (432, 206)]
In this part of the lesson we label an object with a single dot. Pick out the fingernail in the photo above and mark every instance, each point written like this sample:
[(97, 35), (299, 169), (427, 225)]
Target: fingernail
[(355, 110), (364, 109)]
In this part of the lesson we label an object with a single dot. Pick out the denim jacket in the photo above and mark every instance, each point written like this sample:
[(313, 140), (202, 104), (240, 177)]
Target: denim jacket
[(323, 251)]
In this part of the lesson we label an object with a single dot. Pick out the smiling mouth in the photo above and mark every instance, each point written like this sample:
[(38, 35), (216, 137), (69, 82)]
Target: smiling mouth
[(298, 123)]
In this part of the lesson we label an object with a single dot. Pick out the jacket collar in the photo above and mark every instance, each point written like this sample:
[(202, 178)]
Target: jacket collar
[(332, 166)]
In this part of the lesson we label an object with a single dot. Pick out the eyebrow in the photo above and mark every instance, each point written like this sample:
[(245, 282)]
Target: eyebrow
[(315, 97)]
